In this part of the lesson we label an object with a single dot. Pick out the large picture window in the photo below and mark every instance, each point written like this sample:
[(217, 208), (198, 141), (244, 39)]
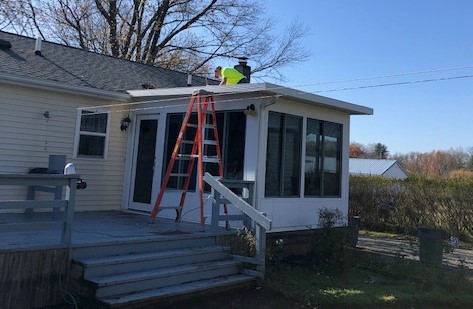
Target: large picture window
[(283, 163), (231, 127), (92, 134), (323, 158)]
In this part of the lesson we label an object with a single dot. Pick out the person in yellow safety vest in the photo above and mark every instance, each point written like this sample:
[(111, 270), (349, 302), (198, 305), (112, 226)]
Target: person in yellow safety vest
[(230, 76)]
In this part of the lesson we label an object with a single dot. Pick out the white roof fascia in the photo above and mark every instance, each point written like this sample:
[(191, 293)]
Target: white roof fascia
[(262, 88), (9, 79)]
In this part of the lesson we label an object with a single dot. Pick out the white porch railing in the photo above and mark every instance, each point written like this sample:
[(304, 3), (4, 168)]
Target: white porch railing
[(68, 203), (222, 194)]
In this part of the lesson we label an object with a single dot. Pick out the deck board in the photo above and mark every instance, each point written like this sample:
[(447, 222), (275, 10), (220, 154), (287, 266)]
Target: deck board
[(95, 227)]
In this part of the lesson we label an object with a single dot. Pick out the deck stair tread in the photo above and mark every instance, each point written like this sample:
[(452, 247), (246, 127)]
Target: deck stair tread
[(142, 245), (137, 257), (176, 290), (133, 272), (103, 281)]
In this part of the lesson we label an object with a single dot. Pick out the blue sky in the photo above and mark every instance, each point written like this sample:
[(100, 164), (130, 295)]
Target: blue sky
[(350, 39)]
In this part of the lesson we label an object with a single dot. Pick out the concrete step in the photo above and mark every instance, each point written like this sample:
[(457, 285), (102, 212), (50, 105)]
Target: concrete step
[(139, 245), (105, 286), (110, 265), (169, 292)]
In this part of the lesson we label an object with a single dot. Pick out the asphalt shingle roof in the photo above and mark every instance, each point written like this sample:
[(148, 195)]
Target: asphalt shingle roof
[(78, 67)]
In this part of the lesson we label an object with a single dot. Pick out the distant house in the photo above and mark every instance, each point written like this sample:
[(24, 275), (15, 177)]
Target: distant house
[(377, 167), (72, 102)]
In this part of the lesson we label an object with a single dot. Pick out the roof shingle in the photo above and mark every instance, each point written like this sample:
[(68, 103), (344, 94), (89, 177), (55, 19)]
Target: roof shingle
[(78, 67)]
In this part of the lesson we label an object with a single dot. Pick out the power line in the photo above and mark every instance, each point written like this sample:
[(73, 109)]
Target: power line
[(396, 84), (260, 97), (242, 86), (389, 75)]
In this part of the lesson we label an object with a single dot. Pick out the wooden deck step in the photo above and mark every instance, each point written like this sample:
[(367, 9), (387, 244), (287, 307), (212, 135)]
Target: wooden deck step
[(169, 292), (102, 266), (160, 277), (124, 272), (129, 246)]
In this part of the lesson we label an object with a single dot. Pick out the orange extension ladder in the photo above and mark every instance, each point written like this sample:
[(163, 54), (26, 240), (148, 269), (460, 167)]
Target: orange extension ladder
[(200, 101)]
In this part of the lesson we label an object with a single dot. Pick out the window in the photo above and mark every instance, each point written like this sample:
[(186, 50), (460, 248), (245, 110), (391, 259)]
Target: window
[(323, 158), (92, 134), (283, 163), (231, 127)]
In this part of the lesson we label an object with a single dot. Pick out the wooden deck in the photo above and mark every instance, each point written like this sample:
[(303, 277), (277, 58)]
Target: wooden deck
[(116, 258), (96, 227)]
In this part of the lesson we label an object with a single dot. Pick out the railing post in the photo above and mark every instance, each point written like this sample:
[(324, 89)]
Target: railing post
[(215, 209), (260, 234), (69, 211), (249, 223), (260, 221)]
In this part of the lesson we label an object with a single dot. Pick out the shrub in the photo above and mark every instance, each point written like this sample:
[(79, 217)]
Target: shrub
[(403, 205), (328, 251)]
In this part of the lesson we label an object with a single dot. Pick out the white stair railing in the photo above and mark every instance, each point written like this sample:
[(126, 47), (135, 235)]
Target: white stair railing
[(262, 223)]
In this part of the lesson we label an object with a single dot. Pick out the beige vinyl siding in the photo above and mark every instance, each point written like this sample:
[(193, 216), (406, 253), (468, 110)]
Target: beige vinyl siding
[(27, 139)]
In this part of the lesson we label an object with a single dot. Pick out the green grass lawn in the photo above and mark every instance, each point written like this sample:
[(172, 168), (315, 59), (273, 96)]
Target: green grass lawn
[(366, 281)]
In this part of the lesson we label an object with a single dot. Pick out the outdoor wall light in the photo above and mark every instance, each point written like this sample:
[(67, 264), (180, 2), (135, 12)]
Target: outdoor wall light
[(250, 110), (125, 123)]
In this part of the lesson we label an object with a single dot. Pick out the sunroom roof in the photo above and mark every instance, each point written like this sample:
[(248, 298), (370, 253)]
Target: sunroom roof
[(261, 89)]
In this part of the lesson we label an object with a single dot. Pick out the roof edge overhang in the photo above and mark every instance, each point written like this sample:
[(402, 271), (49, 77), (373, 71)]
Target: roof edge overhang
[(13, 80), (263, 89)]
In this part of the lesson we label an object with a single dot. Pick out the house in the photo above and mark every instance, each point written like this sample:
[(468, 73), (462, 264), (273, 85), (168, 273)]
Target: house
[(69, 101), (377, 167), (117, 121)]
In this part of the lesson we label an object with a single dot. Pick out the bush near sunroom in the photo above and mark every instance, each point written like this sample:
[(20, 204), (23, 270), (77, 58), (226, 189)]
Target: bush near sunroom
[(403, 205), (329, 250)]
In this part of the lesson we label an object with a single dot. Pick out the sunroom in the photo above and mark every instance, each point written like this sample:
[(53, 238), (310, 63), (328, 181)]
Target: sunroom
[(293, 145)]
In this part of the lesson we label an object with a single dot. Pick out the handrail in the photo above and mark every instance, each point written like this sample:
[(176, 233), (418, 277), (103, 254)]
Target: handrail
[(262, 224), (68, 203), (246, 208)]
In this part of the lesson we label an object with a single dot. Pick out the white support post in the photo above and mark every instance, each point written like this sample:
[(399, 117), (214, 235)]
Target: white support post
[(260, 234), (69, 212)]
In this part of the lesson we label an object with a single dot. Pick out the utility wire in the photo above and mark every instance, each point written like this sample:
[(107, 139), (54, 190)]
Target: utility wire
[(383, 76), (388, 75), (244, 87), (396, 84)]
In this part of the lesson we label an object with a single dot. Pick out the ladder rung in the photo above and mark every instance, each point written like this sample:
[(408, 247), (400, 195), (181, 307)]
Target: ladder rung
[(210, 159), (204, 125), (187, 156), (205, 159), (179, 175), (183, 158), (210, 142)]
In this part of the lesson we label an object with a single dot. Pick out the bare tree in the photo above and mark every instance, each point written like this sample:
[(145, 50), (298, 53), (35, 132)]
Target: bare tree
[(187, 35), (436, 163)]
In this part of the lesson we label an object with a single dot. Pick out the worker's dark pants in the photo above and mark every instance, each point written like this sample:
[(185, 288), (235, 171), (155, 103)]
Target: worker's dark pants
[(243, 81)]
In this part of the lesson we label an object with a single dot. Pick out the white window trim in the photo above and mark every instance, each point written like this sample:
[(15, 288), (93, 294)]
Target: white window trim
[(78, 133)]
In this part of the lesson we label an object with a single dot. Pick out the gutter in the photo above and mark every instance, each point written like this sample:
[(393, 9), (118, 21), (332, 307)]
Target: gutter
[(9, 79)]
